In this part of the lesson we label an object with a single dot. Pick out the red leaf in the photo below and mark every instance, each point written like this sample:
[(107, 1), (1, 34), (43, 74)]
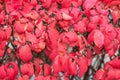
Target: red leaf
[(10, 74), (34, 15), (39, 78), (69, 38), (115, 63), (83, 65), (46, 3), (91, 26), (111, 75), (38, 46), (2, 17), (47, 78), (19, 27), (65, 63), (47, 69), (98, 38), (91, 37), (3, 73), (72, 67), (30, 27), (15, 67), (8, 32), (113, 3), (31, 37), (24, 77), (25, 53), (12, 70), (64, 5), (27, 69), (99, 75), (8, 6), (1, 52), (34, 2), (111, 52), (3, 35), (38, 68), (88, 4), (80, 27), (66, 16), (2, 45), (82, 42), (26, 8), (75, 12), (57, 65), (89, 56), (53, 38), (95, 19)]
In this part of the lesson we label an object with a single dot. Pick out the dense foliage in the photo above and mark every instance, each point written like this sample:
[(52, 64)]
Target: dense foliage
[(59, 39)]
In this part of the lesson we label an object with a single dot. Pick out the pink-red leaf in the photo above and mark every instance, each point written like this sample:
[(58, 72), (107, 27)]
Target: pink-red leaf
[(83, 65), (88, 4), (99, 75), (98, 38), (25, 53)]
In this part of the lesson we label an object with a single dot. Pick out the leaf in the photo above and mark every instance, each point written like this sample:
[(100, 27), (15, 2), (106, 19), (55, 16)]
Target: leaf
[(99, 75), (88, 4), (46, 3), (80, 27), (2, 17), (8, 6), (34, 2), (115, 63), (75, 13), (25, 53), (12, 70), (95, 19), (52, 41), (65, 63), (8, 32), (26, 8), (64, 5), (89, 56), (91, 26), (83, 65), (91, 37), (69, 37), (38, 68), (98, 38), (113, 3), (1, 52), (10, 73), (23, 77), (57, 65), (39, 78), (3, 35), (111, 52), (27, 69), (47, 78), (82, 42), (72, 67), (30, 27), (47, 70), (19, 27), (3, 73), (15, 67), (31, 37), (111, 75), (115, 16), (66, 16)]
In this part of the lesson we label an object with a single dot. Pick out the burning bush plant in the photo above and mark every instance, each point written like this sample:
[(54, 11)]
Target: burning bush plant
[(59, 40)]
